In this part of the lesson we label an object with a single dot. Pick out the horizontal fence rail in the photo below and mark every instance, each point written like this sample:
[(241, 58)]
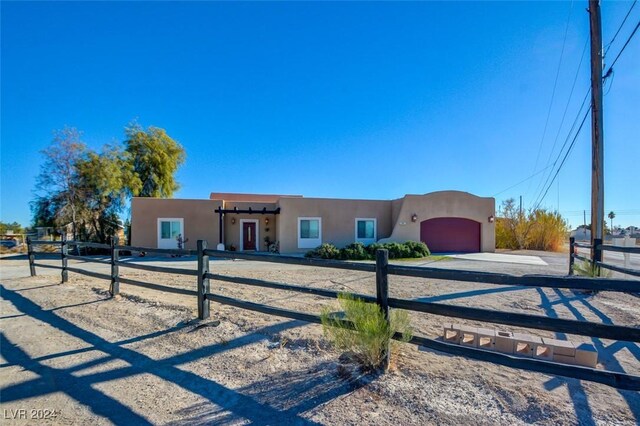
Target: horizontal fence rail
[(44, 265), (44, 242), (382, 270), (175, 252), (159, 287), (582, 328), (597, 257), (620, 269), (546, 281), (90, 245), (163, 269), (288, 287), (631, 250), (293, 260), (89, 273), (89, 259)]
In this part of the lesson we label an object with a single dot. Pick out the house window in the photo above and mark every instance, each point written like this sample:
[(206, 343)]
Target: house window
[(309, 232), (170, 229), (366, 231)]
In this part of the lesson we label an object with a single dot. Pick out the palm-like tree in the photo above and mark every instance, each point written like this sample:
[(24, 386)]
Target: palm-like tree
[(611, 216)]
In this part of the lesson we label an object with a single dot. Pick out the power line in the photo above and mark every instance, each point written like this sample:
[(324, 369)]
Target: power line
[(619, 28), (522, 181), (565, 157), (564, 114), (555, 85), (621, 50), (566, 141)]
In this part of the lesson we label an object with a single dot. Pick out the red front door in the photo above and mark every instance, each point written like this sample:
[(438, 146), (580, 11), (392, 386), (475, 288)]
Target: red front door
[(248, 235)]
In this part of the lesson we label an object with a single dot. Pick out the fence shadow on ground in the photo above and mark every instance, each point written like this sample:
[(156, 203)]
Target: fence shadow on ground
[(606, 354), (259, 405)]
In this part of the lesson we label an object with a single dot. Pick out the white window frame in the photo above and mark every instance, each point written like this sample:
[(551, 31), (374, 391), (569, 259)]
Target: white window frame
[(375, 231), (309, 243), (159, 235), (257, 222)]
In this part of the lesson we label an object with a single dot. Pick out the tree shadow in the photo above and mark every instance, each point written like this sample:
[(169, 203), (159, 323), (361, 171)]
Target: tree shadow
[(290, 392), (233, 405), (56, 308)]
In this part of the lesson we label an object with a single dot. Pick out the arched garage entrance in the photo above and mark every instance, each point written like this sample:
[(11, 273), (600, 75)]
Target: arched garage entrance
[(450, 234)]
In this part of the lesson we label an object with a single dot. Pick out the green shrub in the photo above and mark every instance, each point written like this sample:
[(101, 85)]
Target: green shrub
[(358, 251), (589, 269), (355, 251), (325, 251), (418, 249), (370, 334)]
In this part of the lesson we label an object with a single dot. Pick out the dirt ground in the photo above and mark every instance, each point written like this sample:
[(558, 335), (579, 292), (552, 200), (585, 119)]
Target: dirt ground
[(71, 354)]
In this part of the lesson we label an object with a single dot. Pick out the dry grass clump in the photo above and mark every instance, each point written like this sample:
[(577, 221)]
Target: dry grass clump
[(370, 334)]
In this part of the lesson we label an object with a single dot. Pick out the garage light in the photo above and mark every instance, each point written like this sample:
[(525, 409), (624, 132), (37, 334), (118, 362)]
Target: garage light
[(491, 219)]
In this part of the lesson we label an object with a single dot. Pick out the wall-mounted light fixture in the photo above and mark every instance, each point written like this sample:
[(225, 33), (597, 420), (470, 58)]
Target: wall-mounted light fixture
[(233, 220), (491, 219), (266, 221), (414, 217)]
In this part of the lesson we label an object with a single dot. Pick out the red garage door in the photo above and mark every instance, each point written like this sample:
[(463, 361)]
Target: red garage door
[(450, 234)]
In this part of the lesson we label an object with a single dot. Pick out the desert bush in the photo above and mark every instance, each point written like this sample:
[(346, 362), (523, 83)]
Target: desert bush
[(324, 251), (370, 334), (539, 229), (548, 231)]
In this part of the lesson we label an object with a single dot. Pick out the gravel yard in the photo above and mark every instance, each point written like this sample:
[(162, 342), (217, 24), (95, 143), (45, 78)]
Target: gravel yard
[(140, 358)]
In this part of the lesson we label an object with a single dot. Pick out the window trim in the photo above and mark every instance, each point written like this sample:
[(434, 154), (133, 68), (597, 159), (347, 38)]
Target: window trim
[(375, 230), (309, 243), (159, 229)]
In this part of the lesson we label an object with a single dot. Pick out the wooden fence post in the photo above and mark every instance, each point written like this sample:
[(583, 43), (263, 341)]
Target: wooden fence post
[(572, 248), (382, 295), (31, 256), (597, 253), (115, 270), (203, 281), (63, 254)]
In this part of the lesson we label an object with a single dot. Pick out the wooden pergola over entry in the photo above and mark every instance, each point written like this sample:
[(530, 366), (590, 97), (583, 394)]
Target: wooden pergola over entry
[(221, 212)]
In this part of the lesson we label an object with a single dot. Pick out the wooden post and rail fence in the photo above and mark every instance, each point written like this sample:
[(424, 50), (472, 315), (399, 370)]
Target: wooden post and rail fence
[(382, 270), (598, 248)]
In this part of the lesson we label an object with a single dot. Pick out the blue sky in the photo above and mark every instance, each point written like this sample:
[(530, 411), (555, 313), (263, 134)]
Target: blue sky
[(347, 100)]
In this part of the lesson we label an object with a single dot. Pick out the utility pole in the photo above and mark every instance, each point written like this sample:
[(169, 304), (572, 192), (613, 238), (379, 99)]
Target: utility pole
[(597, 156), (520, 205)]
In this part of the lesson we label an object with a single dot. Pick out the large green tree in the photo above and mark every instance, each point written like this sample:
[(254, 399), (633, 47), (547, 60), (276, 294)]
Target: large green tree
[(155, 158), (90, 189), (103, 180), (57, 196)]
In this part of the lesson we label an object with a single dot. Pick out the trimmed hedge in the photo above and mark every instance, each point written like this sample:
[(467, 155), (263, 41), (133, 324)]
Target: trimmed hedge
[(358, 251)]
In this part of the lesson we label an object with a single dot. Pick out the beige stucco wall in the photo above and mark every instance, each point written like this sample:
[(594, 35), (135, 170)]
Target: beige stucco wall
[(338, 219), (445, 204), (200, 221)]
